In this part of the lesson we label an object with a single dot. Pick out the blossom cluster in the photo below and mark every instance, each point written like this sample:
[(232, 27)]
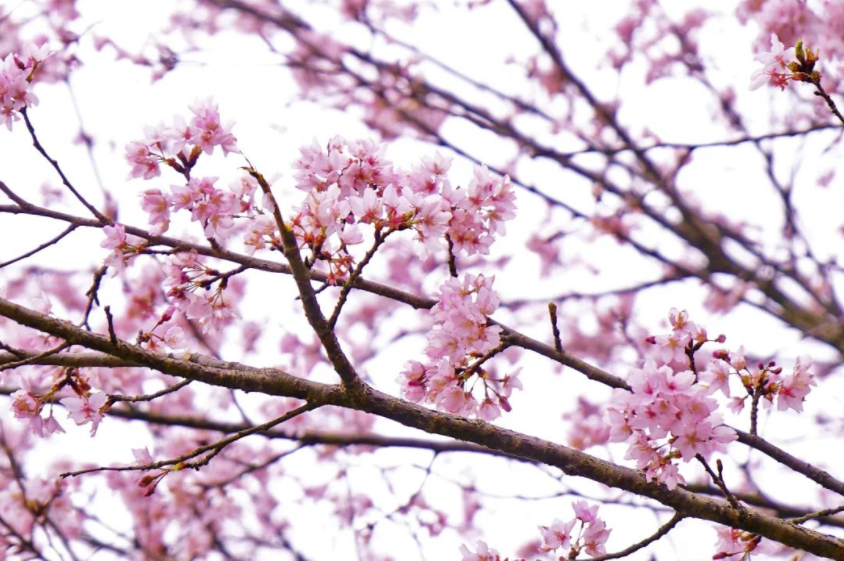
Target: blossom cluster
[(671, 412), (16, 75), (83, 405), (190, 283), (180, 146), (29, 503), (458, 345), (350, 183), (172, 337), (123, 247), (27, 405), (666, 405), (739, 544), (668, 414), (591, 536), (482, 553), (214, 208), (763, 382)]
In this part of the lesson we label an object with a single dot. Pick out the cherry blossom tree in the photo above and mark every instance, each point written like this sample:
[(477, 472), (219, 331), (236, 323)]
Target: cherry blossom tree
[(516, 319)]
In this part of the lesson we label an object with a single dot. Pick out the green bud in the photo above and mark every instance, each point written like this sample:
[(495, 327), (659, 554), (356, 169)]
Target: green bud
[(798, 50)]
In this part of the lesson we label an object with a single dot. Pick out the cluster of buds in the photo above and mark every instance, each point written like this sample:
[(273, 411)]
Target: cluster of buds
[(803, 69)]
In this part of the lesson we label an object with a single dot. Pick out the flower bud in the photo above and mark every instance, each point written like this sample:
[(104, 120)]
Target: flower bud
[(798, 51)]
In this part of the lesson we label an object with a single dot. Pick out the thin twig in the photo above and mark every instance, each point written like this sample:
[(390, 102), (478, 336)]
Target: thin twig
[(552, 312), (111, 333), (754, 409), (14, 196), (472, 368), (718, 479), (99, 216), (662, 531), (818, 514), (92, 295), (830, 103), (452, 260), (347, 286), (34, 359), (302, 276), (213, 449), (113, 398), (41, 247)]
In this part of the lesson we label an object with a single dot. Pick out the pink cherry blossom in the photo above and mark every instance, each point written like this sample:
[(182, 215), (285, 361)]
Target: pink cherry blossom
[(595, 537), (86, 409), (115, 236), (557, 535), (774, 65), (717, 377), (795, 387), (144, 162), (15, 87), (482, 553), (158, 206), (207, 132)]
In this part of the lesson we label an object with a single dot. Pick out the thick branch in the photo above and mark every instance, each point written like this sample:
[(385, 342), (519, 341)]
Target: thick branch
[(571, 462)]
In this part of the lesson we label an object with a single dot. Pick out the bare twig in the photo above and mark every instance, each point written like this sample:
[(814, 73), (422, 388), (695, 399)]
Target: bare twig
[(99, 216), (830, 103), (211, 450), (718, 479), (92, 295), (111, 333), (354, 276), (43, 246), (35, 359), (113, 398), (662, 531)]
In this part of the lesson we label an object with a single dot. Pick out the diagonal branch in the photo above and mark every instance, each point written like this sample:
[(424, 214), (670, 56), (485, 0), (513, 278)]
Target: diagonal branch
[(103, 219), (662, 531), (570, 461)]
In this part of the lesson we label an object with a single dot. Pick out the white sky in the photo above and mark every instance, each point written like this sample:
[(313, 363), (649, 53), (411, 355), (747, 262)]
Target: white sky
[(116, 101)]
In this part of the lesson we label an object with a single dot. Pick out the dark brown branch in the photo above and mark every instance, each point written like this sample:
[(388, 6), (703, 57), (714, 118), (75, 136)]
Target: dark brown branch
[(301, 275), (75, 360), (816, 474), (33, 359), (829, 102), (571, 462), (113, 398), (92, 294)]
